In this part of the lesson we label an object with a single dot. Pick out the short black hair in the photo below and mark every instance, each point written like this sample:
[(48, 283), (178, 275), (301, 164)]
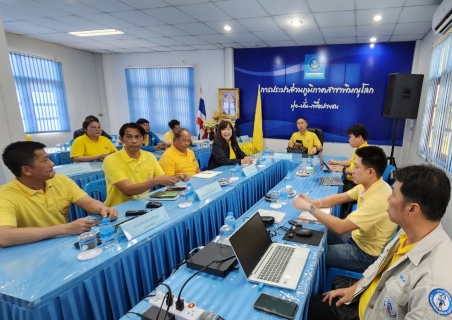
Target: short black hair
[(373, 157), (19, 154), (359, 130), (427, 186), (142, 120), (178, 132), (301, 118), (173, 123), (91, 117), (132, 125)]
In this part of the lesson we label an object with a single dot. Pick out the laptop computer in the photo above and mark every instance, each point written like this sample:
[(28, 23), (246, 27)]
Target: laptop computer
[(328, 180), (254, 249)]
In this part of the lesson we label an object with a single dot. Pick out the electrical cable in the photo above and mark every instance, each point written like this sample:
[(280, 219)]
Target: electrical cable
[(178, 301)]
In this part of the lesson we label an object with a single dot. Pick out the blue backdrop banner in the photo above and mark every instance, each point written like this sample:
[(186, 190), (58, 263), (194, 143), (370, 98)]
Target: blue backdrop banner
[(333, 87)]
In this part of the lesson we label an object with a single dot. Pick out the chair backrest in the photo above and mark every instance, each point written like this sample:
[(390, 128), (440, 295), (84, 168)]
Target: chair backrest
[(203, 160), (97, 189), (63, 158), (318, 132), (389, 169)]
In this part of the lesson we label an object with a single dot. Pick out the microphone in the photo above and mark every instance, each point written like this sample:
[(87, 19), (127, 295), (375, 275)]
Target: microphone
[(207, 315)]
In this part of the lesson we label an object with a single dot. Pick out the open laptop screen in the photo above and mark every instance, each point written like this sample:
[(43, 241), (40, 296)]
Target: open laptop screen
[(250, 242)]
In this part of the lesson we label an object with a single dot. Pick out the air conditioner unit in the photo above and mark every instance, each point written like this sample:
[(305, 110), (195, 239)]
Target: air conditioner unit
[(442, 18)]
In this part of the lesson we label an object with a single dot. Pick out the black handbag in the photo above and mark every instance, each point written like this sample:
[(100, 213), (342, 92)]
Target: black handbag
[(301, 150)]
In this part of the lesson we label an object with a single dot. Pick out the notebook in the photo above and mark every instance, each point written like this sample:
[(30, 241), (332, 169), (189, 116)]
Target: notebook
[(254, 248), (207, 174), (164, 195)]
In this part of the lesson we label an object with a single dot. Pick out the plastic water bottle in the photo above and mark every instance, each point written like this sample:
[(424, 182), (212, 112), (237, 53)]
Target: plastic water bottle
[(283, 195), (309, 161), (225, 233), (238, 170), (289, 180), (206, 143), (230, 220), (190, 193), (107, 233)]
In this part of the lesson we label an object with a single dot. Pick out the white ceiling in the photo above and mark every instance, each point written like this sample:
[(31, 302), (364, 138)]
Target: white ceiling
[(170, 25)]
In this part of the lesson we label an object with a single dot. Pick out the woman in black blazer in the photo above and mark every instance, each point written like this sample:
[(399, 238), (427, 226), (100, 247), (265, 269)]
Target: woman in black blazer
[(224, 142)]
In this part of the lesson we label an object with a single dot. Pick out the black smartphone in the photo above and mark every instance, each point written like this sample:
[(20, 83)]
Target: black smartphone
[(278, 306), (136, 212), (175, 189), (295, 223)]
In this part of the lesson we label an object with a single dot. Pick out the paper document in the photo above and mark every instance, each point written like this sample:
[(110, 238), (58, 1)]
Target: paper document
[(279, 216), (207, 174), (306, 216)]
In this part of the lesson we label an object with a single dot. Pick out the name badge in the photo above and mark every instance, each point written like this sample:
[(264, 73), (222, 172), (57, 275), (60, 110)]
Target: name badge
[(249, 170), (286, 156), (245, 138), (208, 190), (133, 228), (73, 169)]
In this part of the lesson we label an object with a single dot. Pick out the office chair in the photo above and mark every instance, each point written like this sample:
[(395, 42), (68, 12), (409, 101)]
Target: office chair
[(203, 160), (387, 173), (97, 189), (63, 158), (348, 278), (318, 132)]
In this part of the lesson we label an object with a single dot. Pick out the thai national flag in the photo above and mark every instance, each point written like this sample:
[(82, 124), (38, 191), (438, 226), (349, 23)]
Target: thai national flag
[(200, 119)]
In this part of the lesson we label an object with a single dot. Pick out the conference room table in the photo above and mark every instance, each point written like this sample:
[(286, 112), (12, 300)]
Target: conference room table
[(44, 280), (95, 172), (233, 297)]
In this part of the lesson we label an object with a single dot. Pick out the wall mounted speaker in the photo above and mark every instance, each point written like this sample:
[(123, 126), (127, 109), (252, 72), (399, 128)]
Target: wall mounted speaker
[(402, 95)]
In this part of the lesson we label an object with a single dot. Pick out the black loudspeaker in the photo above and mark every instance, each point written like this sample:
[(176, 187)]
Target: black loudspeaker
[(402, 95)]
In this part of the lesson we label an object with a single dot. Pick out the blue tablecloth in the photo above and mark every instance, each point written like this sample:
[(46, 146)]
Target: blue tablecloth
[(233, 297), (44, 280)]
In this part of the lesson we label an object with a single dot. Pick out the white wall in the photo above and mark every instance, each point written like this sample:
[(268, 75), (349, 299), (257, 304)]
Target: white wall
[(82, 71), (208, 72)]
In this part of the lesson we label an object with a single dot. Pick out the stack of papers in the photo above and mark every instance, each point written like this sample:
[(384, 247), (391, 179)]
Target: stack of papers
[(279, 216), (207, 174), (306, 216)]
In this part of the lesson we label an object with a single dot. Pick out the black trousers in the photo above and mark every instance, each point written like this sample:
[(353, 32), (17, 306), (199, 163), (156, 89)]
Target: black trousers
[(347, 207), (318, 310)]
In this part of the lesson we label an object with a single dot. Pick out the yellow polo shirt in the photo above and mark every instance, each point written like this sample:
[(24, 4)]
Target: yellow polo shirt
[(174, 162), (168, 137), (231, 151), (367, 294), (309, 139), (120, 166), (352, 164), (374, 227), (23, 207), (84, 146)]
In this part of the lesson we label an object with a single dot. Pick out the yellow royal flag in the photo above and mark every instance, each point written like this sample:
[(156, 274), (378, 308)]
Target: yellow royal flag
[(258, 135)]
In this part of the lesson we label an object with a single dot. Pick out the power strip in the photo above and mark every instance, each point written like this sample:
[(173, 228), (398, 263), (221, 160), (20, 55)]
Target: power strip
[(190, 312)]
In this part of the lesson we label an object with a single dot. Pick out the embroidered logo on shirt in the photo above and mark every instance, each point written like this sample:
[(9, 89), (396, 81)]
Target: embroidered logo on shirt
[(402, 278), (440, 301), (389, 307)]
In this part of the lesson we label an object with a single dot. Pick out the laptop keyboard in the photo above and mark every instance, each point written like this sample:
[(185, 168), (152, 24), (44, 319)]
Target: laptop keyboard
[(277, 263), (327, 181)]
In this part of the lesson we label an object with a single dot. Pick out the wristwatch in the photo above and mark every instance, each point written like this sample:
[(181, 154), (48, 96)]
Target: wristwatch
[(343, 169), (311, 208)]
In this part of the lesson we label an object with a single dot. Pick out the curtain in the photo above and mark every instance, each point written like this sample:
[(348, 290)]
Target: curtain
[(160, 95), (41, 93)]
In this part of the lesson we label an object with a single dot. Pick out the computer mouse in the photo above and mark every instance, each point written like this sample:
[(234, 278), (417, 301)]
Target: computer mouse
[(302, 232), (153, 204)]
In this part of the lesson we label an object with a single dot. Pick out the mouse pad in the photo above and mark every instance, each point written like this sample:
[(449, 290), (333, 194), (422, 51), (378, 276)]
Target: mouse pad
[(313, 240)]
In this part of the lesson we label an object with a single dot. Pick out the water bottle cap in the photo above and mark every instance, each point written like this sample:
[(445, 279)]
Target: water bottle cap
[(188, 184), (106, 220), (230, 214)]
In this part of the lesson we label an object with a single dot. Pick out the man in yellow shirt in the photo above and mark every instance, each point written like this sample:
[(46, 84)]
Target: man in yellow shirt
[(357, 138), (35, 205), (307, 138), (132, 172), (355, 242), (179, 160), (169, 136), (411, 278)]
